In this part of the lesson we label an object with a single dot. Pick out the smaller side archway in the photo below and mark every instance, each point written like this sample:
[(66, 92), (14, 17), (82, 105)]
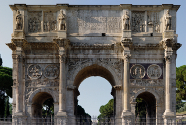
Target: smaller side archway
[(148, 100), (37, 98)]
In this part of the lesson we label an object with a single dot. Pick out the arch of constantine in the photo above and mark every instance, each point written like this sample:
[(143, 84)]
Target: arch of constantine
[(55, 47)]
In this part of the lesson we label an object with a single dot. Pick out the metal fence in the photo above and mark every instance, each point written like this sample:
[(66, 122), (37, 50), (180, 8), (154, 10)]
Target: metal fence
[(81, 120)]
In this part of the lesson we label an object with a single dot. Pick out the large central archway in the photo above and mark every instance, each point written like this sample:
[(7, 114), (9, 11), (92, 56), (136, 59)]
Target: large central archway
[(94, 70), (97, 70)]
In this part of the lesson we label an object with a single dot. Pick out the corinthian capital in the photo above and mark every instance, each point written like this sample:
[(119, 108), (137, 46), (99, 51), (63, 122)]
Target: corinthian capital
[(18, 42), (168, 42)]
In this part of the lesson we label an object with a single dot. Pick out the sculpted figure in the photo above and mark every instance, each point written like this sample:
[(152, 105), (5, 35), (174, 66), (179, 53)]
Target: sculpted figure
[(168, 21), (48, 25), (18, 20), (30, 25), (34, 25), (126, 21), (62, 21)]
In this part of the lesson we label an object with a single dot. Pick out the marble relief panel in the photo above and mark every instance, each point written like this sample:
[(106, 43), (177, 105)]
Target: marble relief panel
[(146, 71), (138, 21), (34, 21), (153, 21), (50, 21)]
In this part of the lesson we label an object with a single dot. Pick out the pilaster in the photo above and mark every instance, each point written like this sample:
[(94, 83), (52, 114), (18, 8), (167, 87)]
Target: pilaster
[(19, 75)]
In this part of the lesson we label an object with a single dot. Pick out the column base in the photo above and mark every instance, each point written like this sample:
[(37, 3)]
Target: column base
[(19, 120), (127, 118), (61, 114), (61, 119), (18, 114), (169, 118)]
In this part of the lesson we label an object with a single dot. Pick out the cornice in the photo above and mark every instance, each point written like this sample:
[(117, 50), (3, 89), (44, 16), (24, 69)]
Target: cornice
[(61, 42), (147, 46), (96, 7), (92, 46), (11, 46)]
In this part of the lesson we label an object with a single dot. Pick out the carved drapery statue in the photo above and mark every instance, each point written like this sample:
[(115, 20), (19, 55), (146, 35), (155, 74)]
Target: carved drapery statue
[(18, 21), (126, 21), (62, 21), (168, 21)]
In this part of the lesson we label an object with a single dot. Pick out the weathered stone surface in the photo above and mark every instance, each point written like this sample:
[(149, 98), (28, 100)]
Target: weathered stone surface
[(55, 47)]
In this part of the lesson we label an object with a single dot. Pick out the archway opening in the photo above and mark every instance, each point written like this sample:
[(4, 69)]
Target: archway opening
[(100, 81), (94, 93), (145, 110), (40, 104)]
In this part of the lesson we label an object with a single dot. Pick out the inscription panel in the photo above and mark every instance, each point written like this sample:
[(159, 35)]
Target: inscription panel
[(91, 21)]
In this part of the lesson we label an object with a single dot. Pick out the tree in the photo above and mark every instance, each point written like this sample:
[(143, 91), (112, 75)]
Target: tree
[(181, 83), (6, 80), (48, 107), (82, 116), (6, 83), (108, 109), (140, 109), (107, 112)]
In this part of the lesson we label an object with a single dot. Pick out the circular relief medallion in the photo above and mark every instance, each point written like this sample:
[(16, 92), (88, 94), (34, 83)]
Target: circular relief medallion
[(51, 72), (137, 71), (154, 71), (34, 71)]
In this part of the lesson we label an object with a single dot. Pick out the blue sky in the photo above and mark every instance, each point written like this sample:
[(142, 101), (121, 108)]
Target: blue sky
[(95, 91)]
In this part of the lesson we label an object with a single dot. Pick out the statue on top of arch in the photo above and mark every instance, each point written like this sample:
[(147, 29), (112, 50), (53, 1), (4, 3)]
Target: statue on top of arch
[(168, 21), (19, 21), (126, 21), (62, 20)]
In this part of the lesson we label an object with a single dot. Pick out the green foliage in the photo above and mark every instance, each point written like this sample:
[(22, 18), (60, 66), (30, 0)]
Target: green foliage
[(179, 104), (10, 108), (6, 80), (6, 112), (108, 109), (182, 109), (181, 83), (140, 109), (81, 111), (48, 107)]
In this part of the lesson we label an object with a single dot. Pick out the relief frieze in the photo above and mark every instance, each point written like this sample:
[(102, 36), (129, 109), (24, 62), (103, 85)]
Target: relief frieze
[(51, 72), (34, 71), (143, 82), (50, 21), (146, 71), (154, 71), (137, 71), (138, 21), (34, 21), (115, 64), (45, 82)]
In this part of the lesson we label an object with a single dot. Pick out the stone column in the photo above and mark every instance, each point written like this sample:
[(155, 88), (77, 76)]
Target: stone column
[(126, 115), (168, 85), (61, 114), (62, 85), (118, 100), (126, 83), (70, 106), (169, 116)]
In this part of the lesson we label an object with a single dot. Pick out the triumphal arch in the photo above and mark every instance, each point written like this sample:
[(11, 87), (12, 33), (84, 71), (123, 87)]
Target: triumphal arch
[(55, 47)]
